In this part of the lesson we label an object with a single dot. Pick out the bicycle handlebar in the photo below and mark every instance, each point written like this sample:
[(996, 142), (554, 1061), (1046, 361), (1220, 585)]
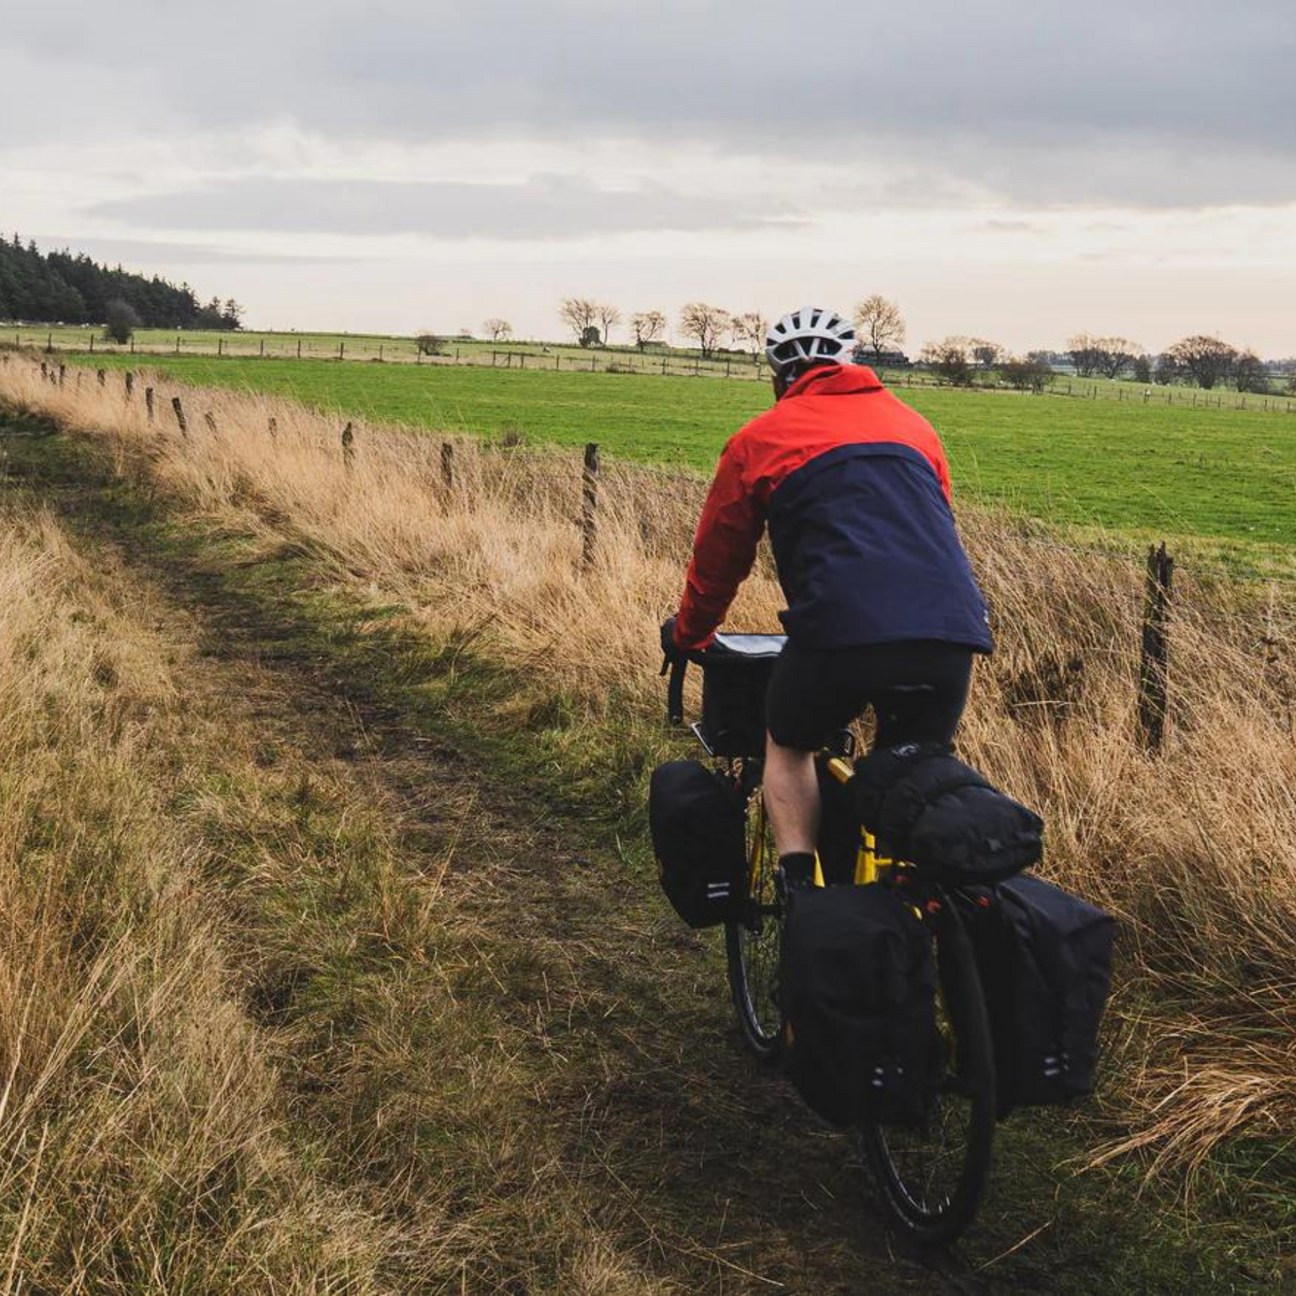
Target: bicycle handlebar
[(675, 688)]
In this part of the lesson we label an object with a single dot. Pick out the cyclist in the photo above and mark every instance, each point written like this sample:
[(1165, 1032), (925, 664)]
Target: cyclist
[(882, 607)]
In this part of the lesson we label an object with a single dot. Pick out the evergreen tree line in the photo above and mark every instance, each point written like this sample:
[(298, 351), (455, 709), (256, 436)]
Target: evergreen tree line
[(62, 288)]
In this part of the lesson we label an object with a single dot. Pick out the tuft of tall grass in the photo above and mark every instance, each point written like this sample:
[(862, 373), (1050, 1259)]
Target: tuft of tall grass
[(1194, 849)]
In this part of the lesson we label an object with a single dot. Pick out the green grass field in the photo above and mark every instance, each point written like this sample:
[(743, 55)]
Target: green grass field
[(566, 356), (1225, 476)]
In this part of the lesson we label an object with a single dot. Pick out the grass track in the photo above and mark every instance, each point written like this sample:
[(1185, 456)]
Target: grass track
[(1227, 478)]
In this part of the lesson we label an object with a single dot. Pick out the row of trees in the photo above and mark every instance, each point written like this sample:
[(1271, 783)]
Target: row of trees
[(880, 328), (1203, 360), (60, 288), (878, 321)]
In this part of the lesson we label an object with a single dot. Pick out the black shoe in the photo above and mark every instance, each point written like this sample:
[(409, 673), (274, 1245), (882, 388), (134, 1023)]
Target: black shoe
[(796, 868)]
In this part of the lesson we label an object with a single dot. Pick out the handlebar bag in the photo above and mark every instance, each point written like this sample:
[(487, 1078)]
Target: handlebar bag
[(930, 809), (697, 818), (857, 987), (733, 705), (1045, 959)]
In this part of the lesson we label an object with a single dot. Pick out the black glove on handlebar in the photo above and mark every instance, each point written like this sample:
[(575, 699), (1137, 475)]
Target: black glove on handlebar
[(671, 650)]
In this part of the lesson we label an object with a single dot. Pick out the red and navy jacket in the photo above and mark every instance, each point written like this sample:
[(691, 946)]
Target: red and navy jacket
[(856, 492)]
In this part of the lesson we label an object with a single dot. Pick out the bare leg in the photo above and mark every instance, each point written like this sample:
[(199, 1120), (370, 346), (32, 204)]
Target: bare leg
[(791, 791)]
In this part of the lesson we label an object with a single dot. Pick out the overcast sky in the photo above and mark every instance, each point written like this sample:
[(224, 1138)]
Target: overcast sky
[(1019, 172)]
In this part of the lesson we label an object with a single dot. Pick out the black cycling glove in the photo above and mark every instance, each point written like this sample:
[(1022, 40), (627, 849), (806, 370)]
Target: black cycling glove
[(672, 650)]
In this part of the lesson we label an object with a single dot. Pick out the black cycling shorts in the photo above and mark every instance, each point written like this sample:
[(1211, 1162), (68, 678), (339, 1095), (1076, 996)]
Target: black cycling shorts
[(917, 690)]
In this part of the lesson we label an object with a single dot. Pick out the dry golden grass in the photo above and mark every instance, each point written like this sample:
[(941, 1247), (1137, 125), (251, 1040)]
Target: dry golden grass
[(1195, 850), (139, 1124), (171, 876)]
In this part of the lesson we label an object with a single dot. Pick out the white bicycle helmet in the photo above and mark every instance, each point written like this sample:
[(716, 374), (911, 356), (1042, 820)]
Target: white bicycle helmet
[(807, 337)]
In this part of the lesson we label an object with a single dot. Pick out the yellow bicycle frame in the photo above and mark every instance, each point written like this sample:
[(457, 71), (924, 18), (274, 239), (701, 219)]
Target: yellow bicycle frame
[(867, 860)]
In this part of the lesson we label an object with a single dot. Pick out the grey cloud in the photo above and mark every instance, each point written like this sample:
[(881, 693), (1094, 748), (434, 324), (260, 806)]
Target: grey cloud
[(543, 207), (989, 92)]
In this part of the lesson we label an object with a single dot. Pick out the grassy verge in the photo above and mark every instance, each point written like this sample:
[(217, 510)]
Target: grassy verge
[(1223, 478), (575, 961)]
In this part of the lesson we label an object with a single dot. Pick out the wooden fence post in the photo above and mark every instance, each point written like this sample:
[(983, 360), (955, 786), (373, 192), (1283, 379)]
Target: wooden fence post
[(341, 350), (44, 369), (210, 420), (130, 385), (263, 348), (447, 465), (589, 505), (62, 374), (102, 376), (220, 346), (148, 402), (1155, 650), (348, 446), (299, 348), (273, 426), (181, 421)]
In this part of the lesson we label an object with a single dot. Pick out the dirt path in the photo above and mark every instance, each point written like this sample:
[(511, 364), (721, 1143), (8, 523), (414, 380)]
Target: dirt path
[(628, 1087)]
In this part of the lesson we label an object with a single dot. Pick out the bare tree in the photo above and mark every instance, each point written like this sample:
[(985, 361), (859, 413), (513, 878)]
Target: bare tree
[(880, 324), (751, 328), (647, 327), (986, 354), (1251, 374), (1030, 373), (579, 314), (1207, 359), (1085, 354), (950, 359), (705, 324), (497, 329), (608, 317), (1115, 355)]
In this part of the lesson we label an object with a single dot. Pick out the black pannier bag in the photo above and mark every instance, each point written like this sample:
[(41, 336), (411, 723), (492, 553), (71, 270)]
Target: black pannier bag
[(927, 807), (733, 700), (857, 988), (1045, 959), (697, 821)]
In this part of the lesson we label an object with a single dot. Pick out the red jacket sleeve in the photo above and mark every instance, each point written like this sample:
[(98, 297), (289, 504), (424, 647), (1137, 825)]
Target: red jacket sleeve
[(724, 549)]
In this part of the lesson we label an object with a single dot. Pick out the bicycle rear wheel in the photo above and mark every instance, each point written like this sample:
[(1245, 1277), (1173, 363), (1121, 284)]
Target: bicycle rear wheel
[(932, 1174), (753, 944)]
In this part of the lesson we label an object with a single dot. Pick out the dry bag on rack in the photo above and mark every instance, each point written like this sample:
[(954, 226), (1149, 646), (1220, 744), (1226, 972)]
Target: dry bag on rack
[(1045, 959), (697, 821), (857, 986), (927, 807)]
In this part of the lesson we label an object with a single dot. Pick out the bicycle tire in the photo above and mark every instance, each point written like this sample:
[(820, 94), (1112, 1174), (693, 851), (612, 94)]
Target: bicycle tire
[(753, 943), (928, 1215)]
